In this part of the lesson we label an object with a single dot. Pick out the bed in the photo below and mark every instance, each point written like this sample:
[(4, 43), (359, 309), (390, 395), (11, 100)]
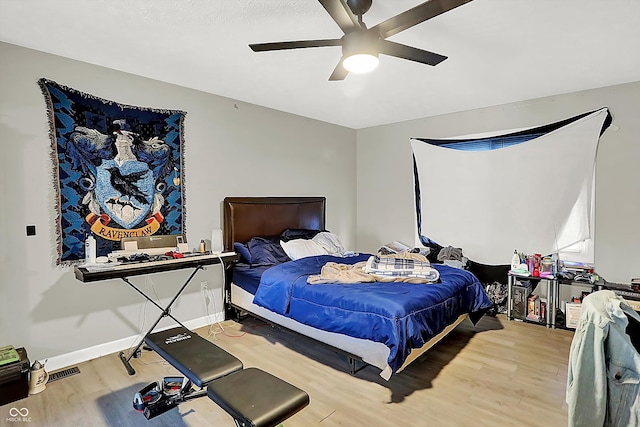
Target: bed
[(386, 325)]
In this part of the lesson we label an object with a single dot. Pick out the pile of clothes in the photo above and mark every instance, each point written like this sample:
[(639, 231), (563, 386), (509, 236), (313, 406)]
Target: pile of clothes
[(408, 267), (497, 293)]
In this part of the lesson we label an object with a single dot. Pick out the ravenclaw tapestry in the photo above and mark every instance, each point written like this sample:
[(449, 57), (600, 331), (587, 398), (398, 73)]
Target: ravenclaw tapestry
[(117, 170)]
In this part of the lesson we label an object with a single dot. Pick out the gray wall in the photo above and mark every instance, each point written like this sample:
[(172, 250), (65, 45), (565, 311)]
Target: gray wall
[(231, 148), (385, 172)]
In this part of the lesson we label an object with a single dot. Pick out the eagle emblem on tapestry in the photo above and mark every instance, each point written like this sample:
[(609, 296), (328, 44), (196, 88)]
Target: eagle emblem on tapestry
[(117, 170)]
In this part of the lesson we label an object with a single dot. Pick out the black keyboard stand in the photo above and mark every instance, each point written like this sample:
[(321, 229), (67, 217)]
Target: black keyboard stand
[(123, 272), (166, 311)]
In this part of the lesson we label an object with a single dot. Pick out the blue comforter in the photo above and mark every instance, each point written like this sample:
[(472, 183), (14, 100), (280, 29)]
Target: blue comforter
[(402, 316)]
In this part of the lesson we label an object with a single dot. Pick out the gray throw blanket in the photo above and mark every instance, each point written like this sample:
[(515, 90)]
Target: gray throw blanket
[(450, 253)]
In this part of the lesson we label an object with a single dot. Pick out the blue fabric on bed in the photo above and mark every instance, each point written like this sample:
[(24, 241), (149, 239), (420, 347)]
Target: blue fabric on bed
[(243, 250), (400, 315), (248, 277), (266, 251)]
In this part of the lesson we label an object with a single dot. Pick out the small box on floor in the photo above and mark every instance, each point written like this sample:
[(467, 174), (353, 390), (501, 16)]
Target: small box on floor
[(572, 314), (14, 379), (534, 308)]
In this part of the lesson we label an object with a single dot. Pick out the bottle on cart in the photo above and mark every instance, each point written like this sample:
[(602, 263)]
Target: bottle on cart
[(515, 260), (90, 250)]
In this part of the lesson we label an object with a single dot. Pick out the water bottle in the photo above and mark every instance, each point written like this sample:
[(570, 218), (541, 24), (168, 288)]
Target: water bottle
[(90, 250)]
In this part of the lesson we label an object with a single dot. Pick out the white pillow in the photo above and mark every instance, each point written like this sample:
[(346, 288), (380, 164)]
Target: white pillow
[(330, 242), (301, 248)]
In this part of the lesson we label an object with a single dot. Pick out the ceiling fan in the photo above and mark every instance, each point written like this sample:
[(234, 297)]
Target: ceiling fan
[(361, 45)]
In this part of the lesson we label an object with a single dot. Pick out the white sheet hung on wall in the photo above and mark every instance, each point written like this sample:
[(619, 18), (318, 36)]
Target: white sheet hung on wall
[(534, 196)]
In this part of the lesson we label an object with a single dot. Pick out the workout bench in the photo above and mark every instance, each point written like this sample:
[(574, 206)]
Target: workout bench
[(253, 398)]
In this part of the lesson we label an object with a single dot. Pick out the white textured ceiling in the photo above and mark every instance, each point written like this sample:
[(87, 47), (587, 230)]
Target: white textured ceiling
[(499, 51)]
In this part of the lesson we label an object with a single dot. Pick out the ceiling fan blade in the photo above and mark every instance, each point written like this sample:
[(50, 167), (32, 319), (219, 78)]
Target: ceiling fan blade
[(414, 16), (411, 53), (262, 47), (339, 73), (341, 14)]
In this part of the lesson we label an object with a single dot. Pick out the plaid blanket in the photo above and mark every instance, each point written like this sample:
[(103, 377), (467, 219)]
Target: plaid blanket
[(395, 267)]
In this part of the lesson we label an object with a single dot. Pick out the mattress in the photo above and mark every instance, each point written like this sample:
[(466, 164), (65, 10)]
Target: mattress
[(401, 316)]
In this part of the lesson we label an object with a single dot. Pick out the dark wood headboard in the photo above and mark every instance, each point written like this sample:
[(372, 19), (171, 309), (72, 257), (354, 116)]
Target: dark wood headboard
[(246, 217)]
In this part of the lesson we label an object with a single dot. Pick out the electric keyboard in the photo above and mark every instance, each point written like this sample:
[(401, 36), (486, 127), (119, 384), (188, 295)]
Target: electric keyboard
[(95, 272), (630, 295), (125, 265), (627, 294)]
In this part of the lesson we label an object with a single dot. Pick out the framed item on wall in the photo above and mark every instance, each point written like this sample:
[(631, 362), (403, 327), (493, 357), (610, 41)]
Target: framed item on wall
[(118, 170)]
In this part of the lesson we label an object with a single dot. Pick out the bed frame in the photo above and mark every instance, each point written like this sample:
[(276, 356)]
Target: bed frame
[(246, 217)]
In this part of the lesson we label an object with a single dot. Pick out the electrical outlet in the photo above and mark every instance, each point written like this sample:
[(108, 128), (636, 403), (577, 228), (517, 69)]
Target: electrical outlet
[(204, 286)]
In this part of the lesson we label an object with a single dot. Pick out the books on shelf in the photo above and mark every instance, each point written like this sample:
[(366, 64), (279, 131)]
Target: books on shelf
[(8, 354)]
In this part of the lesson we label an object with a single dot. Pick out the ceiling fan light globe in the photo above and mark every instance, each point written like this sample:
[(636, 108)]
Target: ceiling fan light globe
[(360, 63)]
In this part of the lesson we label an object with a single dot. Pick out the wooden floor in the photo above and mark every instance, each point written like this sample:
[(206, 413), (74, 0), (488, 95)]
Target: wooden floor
[(499, 373)]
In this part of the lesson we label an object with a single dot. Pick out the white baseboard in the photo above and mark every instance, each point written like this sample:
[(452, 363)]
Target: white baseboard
[(66, 360)]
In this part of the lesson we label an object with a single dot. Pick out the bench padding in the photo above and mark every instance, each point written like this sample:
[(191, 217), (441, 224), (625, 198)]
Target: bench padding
[(256, 398), (196, 358)]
